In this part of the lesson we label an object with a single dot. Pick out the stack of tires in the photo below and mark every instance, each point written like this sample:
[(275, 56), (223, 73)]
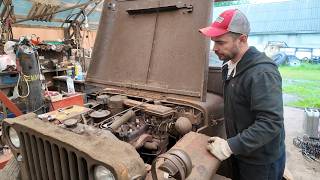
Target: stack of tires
[(282, 59)]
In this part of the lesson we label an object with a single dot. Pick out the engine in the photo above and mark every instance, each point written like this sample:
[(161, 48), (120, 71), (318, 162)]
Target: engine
[(151, 126)]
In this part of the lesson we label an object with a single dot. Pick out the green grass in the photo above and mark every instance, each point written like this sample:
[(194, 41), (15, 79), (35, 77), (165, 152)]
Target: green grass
[(302, 82), (303, 72)]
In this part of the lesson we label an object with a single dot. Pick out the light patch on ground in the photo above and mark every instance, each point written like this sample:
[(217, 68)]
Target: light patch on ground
[(289, 98), (300, 167)]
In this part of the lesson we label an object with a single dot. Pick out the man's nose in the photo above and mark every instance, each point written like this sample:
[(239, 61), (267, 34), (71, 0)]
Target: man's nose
[(215, 48)]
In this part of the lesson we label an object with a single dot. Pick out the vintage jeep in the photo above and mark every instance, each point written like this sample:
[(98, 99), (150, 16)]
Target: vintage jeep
[(159, 102)]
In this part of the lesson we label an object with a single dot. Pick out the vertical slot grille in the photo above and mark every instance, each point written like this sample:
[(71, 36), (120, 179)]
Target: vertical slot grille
[(46, 160)]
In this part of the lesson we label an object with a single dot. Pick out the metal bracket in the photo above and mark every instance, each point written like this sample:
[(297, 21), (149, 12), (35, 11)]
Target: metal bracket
[(214, 122), (166, 8)]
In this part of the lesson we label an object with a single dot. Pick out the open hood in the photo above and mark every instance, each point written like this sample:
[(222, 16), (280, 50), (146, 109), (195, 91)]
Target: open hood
[(152, 45)]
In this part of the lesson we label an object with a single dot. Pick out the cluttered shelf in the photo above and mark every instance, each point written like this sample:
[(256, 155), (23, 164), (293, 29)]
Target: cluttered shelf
[(64, 78), (54, 70)]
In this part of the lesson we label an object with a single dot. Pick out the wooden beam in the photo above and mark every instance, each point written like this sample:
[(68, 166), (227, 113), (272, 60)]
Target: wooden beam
[(10, 105), (60, 10), (19, 16), (98, 9)]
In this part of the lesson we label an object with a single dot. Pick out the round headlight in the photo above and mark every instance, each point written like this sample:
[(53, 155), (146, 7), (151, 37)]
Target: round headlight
[(102, 173), (14, 138)]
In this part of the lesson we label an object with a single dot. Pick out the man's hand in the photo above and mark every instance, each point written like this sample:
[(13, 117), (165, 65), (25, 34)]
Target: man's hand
[(219, 148)]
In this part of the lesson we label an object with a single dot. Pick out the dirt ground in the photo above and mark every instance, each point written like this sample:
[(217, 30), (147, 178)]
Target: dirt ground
[(300, 167)]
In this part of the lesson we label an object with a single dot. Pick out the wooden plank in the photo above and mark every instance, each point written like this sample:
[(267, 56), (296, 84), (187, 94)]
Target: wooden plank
[(9, 104), (67, 113), (151, 108)]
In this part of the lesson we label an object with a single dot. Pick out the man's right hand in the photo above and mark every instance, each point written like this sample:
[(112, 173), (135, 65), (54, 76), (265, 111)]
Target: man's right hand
[(219, 148)]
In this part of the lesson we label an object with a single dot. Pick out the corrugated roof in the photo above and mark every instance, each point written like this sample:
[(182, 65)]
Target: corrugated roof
[(294, 16), (22, 8)]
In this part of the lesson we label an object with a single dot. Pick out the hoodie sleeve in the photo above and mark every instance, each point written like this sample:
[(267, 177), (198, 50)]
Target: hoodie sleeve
[(267, 106)]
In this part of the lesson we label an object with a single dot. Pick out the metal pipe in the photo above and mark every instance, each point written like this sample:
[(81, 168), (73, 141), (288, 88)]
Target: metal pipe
[(112, 117), (61, 10), (123, 119), (151, 145), (142, 140)]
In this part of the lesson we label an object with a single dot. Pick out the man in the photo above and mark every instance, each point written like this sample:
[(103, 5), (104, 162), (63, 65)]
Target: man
[(253, 102)]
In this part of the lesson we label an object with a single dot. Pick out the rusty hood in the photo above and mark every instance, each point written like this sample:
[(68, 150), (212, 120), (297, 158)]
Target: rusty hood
[(152, 45)]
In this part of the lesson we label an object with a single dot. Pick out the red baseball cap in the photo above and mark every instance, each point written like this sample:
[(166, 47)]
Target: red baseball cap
[(232, 20)]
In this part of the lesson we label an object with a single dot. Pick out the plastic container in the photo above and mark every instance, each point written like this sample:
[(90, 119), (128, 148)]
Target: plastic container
[(9, 79), (70, 85), (78, 71), (311, 122)]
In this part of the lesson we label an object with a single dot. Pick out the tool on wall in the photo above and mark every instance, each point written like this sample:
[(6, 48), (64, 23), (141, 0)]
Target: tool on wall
[(77, 29), (78, 22), (7, 18)]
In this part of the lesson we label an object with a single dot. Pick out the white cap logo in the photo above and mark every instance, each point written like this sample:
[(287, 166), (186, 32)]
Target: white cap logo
[(219, 19)]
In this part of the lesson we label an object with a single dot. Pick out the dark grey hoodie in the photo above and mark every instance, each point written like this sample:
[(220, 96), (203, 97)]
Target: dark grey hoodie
[(254, 109)]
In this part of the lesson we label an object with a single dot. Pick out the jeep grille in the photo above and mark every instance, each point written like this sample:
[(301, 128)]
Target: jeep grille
[(47, 160)]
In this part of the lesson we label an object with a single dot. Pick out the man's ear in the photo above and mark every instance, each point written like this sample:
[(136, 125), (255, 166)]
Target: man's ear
[(243, 38)]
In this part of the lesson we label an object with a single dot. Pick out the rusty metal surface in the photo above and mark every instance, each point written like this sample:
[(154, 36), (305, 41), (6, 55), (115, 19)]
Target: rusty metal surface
[(64, 156), (183, 125), (215, 83), (122, 119), (70, 122), (176, 163), (212, 108), (161, 52), (204, 165), (100, 114)]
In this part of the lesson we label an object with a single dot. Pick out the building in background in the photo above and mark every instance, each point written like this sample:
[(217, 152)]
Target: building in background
[(293, 24)]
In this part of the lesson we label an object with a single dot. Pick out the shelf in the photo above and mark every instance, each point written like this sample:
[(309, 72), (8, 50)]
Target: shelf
[(4, 86), (8, 72), (64, 78), (53, 70)]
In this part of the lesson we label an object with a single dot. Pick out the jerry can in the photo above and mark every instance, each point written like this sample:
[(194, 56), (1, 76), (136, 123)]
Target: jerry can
[(311, 122)]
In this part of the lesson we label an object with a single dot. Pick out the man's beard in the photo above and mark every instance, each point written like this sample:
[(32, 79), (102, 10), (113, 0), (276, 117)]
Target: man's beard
[(231, 55), (224, 57)]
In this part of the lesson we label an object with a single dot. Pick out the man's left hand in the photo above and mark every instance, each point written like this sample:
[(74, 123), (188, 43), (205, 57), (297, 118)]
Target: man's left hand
[(219, 148)]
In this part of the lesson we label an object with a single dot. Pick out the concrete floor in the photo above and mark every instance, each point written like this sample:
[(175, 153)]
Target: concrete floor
[(300, 168)]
